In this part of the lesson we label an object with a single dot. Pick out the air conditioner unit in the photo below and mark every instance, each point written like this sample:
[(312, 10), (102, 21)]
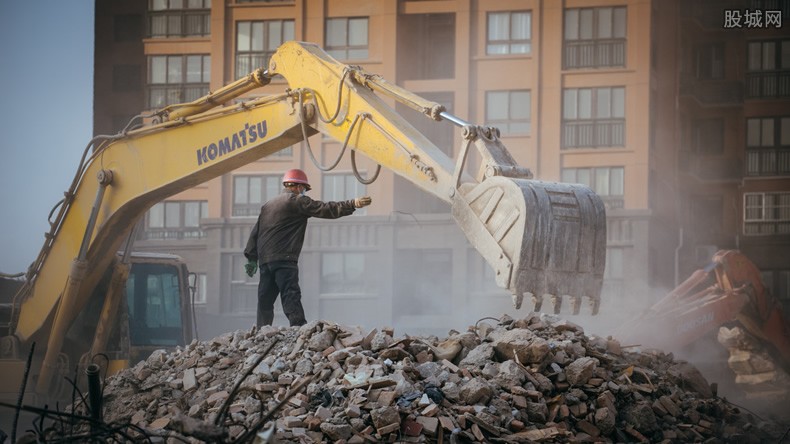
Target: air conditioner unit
[(704, 253)]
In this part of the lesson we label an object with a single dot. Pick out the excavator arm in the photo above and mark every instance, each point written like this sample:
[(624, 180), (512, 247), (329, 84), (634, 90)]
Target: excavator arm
[(728, 291), (541, 238)]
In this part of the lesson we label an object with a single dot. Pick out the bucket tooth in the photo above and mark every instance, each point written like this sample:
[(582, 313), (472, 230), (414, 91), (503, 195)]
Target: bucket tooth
[(594, 305), (537, 302), (576, 303), (518, 298), (556, 303)]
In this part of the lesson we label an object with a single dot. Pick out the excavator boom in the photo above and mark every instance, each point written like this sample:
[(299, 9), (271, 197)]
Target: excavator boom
[(541, 238)]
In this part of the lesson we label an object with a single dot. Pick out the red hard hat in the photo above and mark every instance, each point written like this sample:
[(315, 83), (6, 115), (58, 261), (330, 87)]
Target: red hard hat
[(296, 176)]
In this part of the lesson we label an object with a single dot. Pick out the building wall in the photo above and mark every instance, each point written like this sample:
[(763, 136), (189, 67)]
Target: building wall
[(404, 224)]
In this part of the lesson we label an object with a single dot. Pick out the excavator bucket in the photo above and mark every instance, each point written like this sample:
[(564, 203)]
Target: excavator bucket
[(543, 239)]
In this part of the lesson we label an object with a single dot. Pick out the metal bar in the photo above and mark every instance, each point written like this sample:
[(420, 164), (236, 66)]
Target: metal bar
[(453, 119)]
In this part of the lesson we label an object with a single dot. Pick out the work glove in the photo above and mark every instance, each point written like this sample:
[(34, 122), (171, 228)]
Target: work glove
[(250, 268), (364, 201)]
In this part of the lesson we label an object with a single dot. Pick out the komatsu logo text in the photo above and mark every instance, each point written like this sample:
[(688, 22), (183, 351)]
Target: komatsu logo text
[(248, 135)]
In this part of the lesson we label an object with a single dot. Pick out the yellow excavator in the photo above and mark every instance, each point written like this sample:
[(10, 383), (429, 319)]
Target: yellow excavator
[(541, 238)]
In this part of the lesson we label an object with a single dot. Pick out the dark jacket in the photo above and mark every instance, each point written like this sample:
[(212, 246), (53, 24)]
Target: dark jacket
[(278, 234)]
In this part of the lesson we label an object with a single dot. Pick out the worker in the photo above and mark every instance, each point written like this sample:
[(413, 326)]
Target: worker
[(276, 241)]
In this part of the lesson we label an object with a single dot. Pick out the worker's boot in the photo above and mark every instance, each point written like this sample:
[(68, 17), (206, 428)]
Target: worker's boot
[(265, 318)]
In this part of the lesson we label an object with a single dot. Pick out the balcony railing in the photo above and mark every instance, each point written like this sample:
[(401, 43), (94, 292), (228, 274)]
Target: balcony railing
[(768, 162), (712, 92), (599, 53), (766, 228), (767, 85), (710, 168), (179, 23), (613, 202), (593, 133), (172, 233), (248, 62), (163, 95)]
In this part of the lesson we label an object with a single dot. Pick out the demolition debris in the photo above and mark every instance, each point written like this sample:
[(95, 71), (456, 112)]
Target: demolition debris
[(537, 379)]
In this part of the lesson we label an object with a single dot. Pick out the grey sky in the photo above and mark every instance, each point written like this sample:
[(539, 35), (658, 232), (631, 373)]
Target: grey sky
[(46, 48)]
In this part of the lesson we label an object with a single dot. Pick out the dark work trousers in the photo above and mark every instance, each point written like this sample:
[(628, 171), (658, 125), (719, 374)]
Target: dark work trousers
[(280, 277)]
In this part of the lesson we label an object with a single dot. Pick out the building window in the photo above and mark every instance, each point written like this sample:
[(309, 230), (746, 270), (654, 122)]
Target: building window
[(176, 220), (480, 277), (593, 117), (766, 213), (200, 289), (768, 146), (607, 182), (179, 18), (257, 41), (285, 152), (250, 192), (768, 69), (509, 33), (418, 61), (346, 273), (422, 294), (243, 289), (177, 79), (615, 265), (594, 37), (347, 38), (708, 136), (336, 187), (510, 111), (710, 61)]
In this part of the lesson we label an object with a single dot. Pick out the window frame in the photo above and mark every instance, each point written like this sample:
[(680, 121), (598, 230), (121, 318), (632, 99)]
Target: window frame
[(179, 14), (335, 50), (610, 124), (767, 225), (611, 200), (510, 41), (266, 50), (700, 136), (506, 124), (346, 194), (351, 285), (599, 46), (768, 159), (767, 83), (178, 229), (180, 91), (249, 208)]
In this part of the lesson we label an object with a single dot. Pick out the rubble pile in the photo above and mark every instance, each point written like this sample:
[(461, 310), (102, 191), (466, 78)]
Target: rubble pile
[(536, 379), (756, 371)]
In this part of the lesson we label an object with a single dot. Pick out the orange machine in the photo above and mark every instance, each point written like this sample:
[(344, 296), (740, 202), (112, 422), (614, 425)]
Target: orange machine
[(728, 291)]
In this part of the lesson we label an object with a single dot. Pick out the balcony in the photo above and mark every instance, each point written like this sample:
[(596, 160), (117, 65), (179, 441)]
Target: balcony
[(172, 233), (768, 162), (163, 95), (712, 92), (710, 168), (709, 14), (768, 85), (593, 133), (179, 23), (600, 53)]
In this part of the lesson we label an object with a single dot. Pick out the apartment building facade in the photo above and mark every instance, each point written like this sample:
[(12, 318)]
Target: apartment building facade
[(582, 91)]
